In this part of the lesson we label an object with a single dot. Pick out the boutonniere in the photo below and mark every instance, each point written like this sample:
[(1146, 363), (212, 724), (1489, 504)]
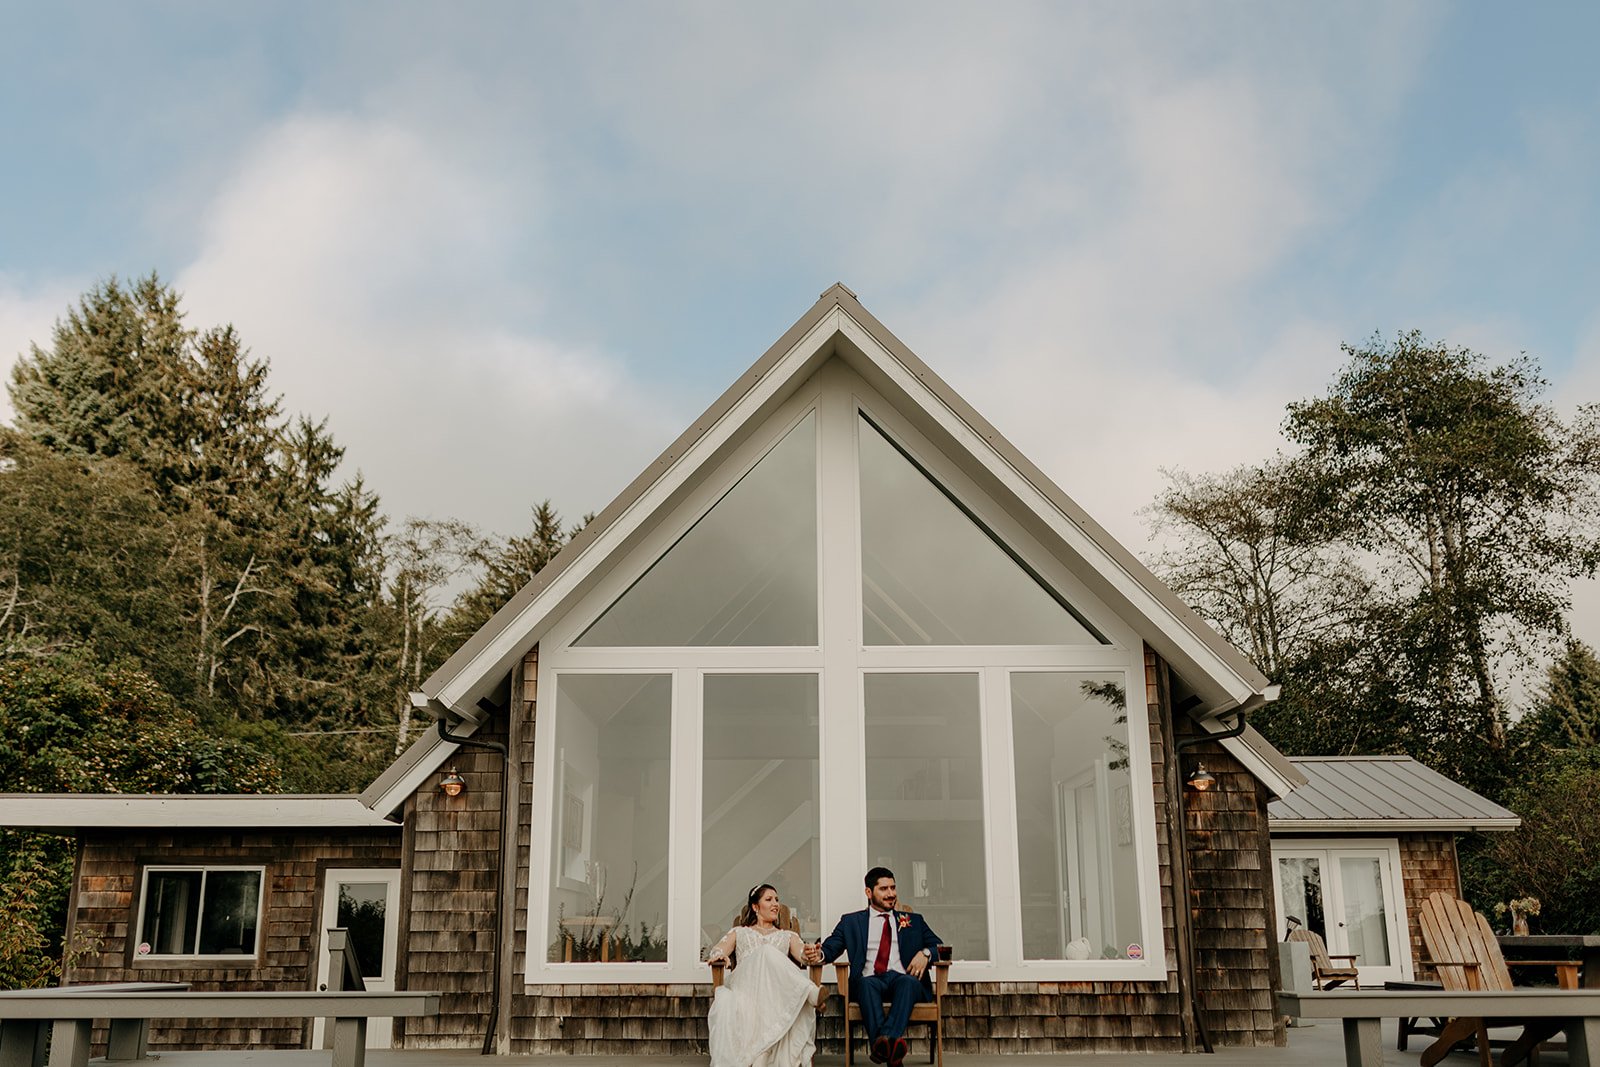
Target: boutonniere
[(905, 922)]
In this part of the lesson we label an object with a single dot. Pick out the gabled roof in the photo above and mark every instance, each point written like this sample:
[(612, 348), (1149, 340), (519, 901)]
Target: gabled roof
[(839, 326), (100, 811), (1382, 793)]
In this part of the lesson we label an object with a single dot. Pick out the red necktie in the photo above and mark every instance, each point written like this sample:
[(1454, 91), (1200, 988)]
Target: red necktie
[(881, 964)]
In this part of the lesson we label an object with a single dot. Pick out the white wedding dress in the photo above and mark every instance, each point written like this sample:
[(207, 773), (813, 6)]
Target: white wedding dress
[(764, 1015)]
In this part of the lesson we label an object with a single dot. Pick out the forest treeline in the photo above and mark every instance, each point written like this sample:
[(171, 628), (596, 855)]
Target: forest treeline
[(161, 513), (192, 596), (1404, 557)]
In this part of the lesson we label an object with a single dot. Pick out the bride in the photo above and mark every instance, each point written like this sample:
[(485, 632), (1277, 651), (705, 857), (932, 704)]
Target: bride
[(765, 1015)]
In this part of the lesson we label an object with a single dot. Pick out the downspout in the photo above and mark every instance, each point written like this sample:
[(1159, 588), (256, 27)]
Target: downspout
[(495, 990), (1180, 868)]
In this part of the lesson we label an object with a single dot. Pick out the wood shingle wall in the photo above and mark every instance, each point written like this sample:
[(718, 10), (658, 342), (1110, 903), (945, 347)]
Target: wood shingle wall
[(110, 868), (448, 892), (1427, 865)]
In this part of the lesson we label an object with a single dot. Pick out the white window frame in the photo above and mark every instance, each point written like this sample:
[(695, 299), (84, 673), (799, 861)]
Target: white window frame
[(839, 397), (205, 869)]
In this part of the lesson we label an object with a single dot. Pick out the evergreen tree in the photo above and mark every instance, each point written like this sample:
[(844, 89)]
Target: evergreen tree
[(1566, 713)]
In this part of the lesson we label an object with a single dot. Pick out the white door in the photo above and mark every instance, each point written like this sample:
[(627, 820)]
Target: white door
[(1352, 897), (365, 902)]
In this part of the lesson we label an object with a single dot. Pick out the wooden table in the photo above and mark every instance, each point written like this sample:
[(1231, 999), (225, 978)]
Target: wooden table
[(1363, 1012), (1588, 946)]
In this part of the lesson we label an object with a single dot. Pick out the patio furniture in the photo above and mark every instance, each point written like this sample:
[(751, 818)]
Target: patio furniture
[(1588, 946), (1463, 950), (929, 1011), (1577, 1011), (73, 1014), (786, 921), (1409, 1024), (1325, 974)]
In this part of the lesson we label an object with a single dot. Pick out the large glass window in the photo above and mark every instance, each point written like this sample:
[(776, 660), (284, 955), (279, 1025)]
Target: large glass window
[(1077, 864), (745, 574), (612, 832), (846, 659), (759, 804), (932, 575), (199, 911), (925, 801)]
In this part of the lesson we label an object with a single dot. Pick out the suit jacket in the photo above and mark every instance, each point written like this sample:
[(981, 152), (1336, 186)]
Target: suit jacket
[(850, 938)]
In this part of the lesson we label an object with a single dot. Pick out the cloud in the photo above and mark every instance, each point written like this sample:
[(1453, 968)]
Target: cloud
[(377, 276)]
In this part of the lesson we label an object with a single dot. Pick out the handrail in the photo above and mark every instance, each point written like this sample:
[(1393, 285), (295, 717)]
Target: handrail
[(344, 967)]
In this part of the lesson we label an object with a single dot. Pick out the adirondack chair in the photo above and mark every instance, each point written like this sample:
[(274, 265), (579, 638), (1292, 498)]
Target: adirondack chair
[(929, 1011), (786, 921), (1463, 950), (1324, 974)]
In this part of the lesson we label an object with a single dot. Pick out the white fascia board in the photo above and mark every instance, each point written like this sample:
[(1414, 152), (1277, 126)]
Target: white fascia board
[(512, 641), (1371, 826), (205, 811), (393, 798), (1238, 690), (1264, 771)]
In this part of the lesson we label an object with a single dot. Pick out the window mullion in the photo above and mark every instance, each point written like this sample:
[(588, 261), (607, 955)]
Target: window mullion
[(842, 780), (1005, 918)]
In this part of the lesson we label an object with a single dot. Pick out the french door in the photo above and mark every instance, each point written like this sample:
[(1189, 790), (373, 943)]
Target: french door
[(1352, 896)]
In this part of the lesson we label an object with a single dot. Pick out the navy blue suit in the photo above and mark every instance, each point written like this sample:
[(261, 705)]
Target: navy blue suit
[(902, 992)]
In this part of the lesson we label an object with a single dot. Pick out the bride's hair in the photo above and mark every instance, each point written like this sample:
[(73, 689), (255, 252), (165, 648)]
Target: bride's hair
[(747, 914)]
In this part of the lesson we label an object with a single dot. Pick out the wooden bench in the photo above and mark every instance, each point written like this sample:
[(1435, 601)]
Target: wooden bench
[(1577, 1011), (22, 1041), (72, 1015)]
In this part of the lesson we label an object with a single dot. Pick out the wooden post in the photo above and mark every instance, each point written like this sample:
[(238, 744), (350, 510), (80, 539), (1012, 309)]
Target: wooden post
[(21, 1043), (1363, 1042), (349, 1042), (69, 1043)]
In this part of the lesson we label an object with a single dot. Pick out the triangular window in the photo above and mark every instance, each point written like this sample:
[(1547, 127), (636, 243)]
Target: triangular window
[(744, 574), (933, 574)]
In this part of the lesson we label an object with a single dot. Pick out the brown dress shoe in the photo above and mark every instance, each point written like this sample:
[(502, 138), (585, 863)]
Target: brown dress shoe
[(897, 1052), (880, 1050)]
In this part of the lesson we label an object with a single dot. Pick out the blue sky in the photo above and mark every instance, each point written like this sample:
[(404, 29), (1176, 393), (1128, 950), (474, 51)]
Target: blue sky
[(510, 250)]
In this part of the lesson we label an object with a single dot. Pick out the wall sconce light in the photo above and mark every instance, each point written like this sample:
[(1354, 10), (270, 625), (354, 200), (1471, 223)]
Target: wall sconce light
[(1200, 779), (452, 784)]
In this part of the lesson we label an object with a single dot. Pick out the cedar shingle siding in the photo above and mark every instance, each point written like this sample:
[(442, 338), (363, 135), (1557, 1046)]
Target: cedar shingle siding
[(109, 873)]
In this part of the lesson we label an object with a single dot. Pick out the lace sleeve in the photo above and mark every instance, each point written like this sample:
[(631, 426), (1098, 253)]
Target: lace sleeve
[(721, 949)]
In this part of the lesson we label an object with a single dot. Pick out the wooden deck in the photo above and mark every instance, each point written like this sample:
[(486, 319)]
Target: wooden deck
[(1314, 1045)]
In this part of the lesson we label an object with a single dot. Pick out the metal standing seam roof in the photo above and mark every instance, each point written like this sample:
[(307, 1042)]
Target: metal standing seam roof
[(1382, 792)]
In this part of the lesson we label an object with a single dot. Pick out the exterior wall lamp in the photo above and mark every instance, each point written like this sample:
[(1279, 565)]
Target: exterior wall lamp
[(1200, 779), (452, 784)]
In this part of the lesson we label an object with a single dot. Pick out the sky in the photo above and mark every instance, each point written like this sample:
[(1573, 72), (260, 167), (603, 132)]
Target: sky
[(510, 250)]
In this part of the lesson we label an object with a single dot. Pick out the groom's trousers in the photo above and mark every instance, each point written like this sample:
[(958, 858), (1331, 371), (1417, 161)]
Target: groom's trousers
[(901, 991)]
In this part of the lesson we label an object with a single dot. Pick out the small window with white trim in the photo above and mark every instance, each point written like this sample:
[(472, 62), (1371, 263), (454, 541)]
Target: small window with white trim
[(200, 911)]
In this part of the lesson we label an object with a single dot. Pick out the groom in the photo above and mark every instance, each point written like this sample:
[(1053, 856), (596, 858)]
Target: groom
[(889, 953)]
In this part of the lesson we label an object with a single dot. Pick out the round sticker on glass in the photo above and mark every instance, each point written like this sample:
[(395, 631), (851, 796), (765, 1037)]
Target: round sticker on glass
[(1135, 952)]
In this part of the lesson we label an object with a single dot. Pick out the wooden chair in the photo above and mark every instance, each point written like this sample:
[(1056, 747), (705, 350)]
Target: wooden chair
[(1324, 974), (927, 1012), (1463, 950), (786, 921)]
